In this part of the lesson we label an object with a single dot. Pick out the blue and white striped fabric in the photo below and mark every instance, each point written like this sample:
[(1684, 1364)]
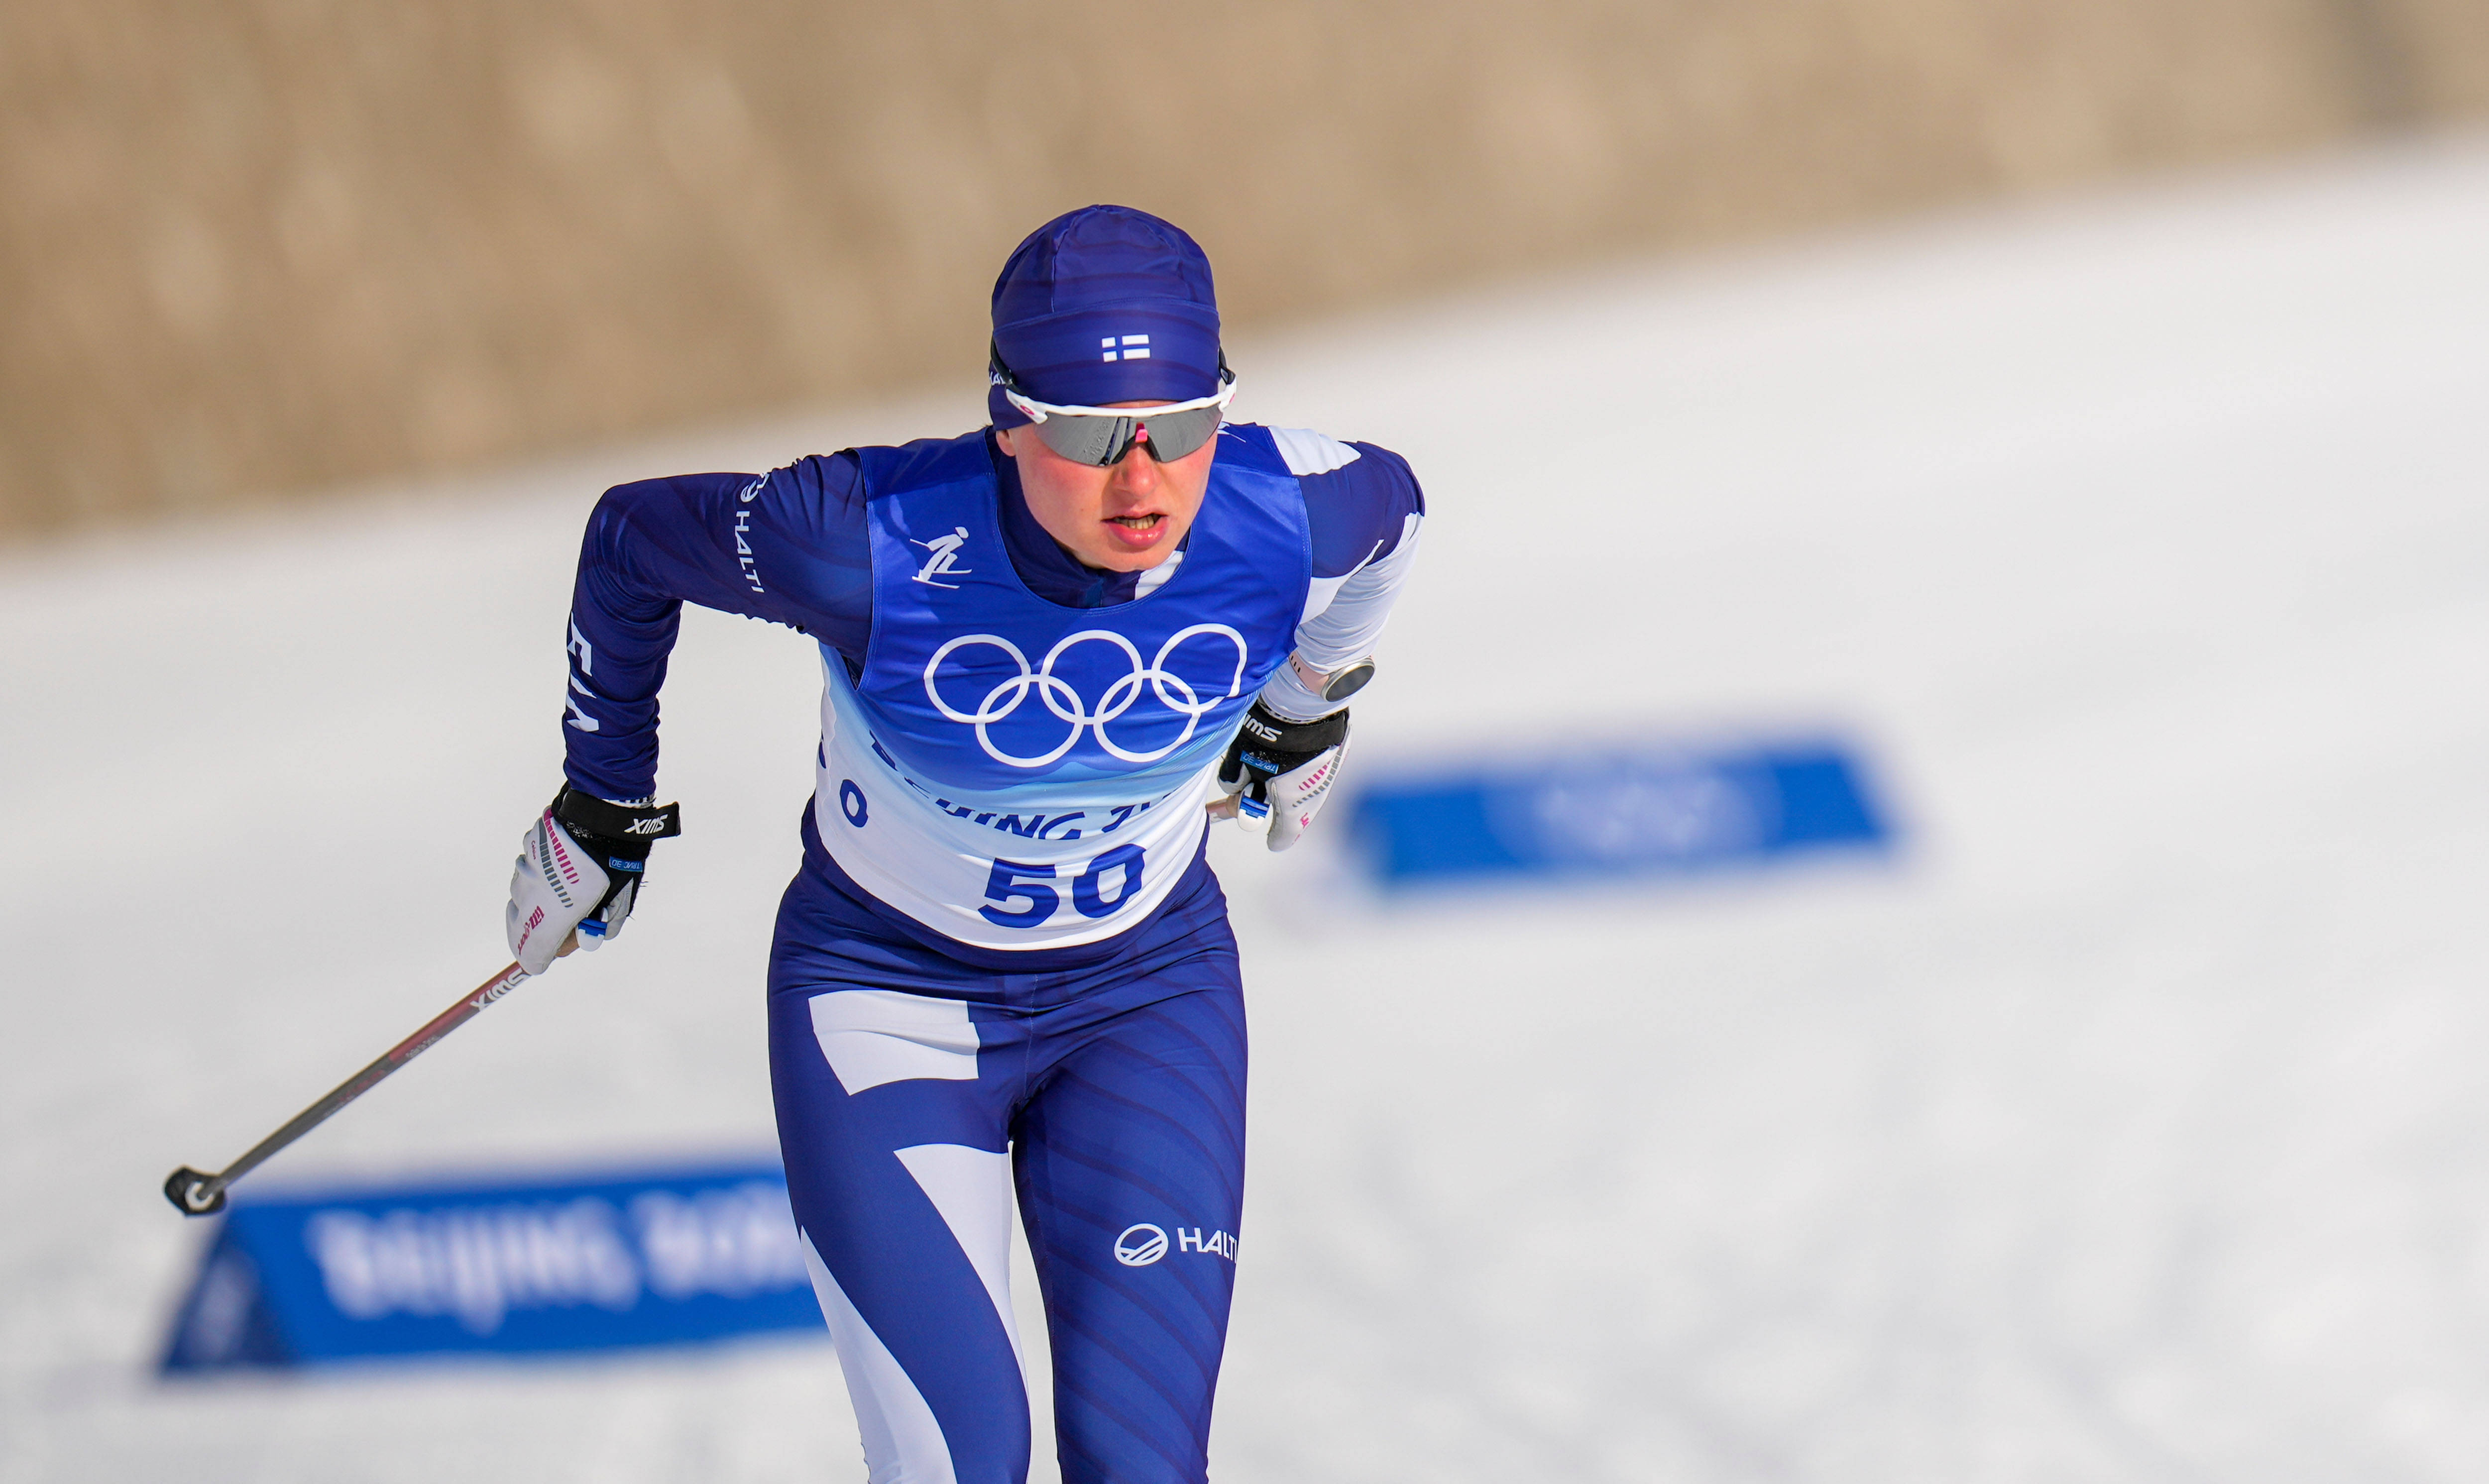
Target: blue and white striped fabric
[(1110, 1083)]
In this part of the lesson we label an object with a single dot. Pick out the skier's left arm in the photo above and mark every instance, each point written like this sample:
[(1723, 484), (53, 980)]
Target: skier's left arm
[(1365, 517)]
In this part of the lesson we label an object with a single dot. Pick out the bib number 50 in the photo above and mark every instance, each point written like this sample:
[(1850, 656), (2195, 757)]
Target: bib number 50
[(1019, 881)]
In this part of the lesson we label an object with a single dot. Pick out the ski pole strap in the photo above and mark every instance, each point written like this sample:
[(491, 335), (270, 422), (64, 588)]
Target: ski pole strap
[(588, 814)]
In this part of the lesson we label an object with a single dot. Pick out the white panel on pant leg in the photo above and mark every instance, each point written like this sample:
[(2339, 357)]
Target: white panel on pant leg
[(903, 1443), (876, 1036), (971, 1188)]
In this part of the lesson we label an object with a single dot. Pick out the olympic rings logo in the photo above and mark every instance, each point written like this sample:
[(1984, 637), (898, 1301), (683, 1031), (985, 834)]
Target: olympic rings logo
[(1059, 697)]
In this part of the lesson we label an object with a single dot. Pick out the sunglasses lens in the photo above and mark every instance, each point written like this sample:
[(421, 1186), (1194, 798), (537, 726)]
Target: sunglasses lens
[(1104, 441), (1097, 440), (1178, 434)]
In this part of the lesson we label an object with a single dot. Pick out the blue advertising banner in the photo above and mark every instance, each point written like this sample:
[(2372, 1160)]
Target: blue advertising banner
[(502, 1268), (1613, 811)]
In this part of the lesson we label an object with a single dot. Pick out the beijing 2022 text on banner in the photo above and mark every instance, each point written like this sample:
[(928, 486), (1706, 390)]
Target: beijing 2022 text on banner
[(1613, 811), (501, 1268)]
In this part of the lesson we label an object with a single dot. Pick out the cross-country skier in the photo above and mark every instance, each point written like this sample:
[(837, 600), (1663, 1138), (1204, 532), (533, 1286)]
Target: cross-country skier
[(1053, 649)]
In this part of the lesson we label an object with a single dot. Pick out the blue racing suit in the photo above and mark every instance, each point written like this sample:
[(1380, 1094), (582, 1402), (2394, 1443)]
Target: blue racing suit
[(1005, 966)]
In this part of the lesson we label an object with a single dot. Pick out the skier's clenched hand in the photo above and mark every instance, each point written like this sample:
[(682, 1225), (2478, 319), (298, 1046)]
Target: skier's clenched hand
[(578, 874), (1281, 771)]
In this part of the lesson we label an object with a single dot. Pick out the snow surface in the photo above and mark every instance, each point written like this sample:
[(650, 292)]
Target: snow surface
[(2130, 1126)]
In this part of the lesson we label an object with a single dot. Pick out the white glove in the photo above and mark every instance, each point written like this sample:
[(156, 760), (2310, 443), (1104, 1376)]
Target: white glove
[(579, 869), (1279, 773)]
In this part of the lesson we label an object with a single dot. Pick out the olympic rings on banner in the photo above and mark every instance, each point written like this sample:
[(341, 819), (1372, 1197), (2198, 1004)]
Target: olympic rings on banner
[(1058, 696)]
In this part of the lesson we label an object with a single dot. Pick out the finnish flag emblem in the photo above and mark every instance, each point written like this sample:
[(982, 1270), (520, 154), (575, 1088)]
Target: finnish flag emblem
[(1133, 348)]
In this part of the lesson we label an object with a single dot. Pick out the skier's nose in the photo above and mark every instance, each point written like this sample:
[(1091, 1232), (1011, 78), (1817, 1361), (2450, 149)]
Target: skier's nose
[(1138, 471)]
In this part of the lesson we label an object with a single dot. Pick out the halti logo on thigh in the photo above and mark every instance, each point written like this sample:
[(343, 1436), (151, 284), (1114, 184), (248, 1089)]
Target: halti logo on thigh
[(1143, 1245), (1140, 1245), (1188, 1239)]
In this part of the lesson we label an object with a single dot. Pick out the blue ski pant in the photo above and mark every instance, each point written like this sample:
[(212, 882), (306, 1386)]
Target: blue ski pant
[(917, 1091)]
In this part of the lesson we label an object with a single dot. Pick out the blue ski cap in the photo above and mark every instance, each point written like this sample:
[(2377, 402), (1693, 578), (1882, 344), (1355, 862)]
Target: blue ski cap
[(1106, 305)]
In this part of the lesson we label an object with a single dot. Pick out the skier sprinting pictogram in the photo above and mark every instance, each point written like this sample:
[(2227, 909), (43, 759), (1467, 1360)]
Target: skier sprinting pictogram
[(944, 561)]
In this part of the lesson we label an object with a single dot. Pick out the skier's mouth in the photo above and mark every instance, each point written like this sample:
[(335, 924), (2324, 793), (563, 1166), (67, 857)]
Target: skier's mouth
[(1136, 534)]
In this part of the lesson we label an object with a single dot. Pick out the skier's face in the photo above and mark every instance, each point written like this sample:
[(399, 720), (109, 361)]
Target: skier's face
[(1123, 518)]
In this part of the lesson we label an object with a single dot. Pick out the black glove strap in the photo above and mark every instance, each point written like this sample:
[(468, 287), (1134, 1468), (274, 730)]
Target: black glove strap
[(1267, 744), (615, 826), (1267, 731)]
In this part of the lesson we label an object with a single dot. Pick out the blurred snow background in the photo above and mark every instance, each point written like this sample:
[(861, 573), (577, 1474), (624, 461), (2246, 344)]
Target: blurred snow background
[(2130, 1127)]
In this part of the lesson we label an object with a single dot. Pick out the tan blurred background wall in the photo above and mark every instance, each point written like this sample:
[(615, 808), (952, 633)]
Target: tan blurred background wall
[(264, 247)]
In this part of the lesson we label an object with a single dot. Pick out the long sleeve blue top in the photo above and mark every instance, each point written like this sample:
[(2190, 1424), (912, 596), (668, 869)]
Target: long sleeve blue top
[(791, 547)]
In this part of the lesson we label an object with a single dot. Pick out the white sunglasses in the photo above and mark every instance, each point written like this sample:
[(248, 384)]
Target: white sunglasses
[(1100, 436)]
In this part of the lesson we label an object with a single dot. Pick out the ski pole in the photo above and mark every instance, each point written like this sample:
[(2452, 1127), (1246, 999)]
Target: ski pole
[(196, 1194)]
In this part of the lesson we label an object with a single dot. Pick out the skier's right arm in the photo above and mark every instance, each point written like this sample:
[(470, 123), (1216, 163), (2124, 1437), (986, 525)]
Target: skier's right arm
[(788, 546)]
